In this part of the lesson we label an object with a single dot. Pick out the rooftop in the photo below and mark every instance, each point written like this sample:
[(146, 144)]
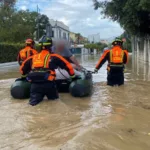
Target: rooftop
[(59, 24)]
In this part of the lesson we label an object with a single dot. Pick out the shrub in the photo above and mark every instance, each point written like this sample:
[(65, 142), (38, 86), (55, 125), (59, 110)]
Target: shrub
[(9, 52)]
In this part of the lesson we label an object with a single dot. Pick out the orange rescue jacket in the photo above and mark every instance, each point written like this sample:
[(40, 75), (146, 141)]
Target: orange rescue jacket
[(115, 56), (46, 62), (25, 53)]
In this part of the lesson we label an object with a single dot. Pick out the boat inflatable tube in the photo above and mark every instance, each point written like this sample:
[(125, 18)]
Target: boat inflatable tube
[(80, 87), (20, 89)]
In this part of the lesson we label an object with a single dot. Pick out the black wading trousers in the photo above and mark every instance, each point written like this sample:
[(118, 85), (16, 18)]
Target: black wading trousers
[(39, 90)]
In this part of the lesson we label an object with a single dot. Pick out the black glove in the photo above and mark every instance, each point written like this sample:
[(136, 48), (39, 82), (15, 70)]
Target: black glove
[(95, 70)]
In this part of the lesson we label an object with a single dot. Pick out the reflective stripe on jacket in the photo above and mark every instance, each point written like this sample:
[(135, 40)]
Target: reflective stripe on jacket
[(40, 63), (115, 56), (46, 62)]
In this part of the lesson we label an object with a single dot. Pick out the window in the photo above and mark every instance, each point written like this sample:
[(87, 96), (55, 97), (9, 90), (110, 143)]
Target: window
[(59, 33), (64, 36), (68, 36), (52, 33)]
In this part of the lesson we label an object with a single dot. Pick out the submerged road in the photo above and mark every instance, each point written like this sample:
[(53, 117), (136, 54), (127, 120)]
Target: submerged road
[(113, 118)]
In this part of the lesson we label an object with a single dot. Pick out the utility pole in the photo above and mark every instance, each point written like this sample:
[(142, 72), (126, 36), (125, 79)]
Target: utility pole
[(38, 27)]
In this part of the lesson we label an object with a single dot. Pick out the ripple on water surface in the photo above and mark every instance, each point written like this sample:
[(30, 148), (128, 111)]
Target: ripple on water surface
[(111, 119)]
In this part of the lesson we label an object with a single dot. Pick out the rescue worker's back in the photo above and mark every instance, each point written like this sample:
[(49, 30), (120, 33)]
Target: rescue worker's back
[(116, 58), (26, 52), (44, 62)]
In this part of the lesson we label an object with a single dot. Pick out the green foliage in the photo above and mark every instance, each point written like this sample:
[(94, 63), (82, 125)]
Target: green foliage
[(19, 25), (42, 21), (9, 52), (126, 45), (16, 26), (98, 46), (133, 15)]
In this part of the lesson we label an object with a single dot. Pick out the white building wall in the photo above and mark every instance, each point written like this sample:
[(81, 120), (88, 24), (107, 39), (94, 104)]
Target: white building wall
[(55, 33), (61, 31)]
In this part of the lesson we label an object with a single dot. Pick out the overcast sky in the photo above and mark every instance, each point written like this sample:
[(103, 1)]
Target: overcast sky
[(79, 15)]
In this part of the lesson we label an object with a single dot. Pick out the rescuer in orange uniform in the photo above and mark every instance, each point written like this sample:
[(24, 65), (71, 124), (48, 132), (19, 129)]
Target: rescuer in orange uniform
[(41, 72), (27, 51), (116, 58)]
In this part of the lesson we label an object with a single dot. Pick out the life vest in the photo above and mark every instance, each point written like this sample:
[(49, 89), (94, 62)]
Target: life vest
[(26, 53), (40, 65), (116, 59), (116, 56)]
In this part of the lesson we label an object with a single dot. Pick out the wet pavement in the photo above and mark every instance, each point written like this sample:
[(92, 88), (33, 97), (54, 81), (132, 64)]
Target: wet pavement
[(113, 118)]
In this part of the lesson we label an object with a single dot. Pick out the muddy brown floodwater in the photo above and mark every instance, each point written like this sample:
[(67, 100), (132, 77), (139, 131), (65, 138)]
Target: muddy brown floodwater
[(113, 118)]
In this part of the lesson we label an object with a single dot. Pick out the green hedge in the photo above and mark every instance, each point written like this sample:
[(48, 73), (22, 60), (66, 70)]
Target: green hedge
[(9, 52)]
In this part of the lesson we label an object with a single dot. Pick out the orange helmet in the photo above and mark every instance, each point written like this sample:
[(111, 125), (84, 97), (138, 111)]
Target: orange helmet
[(30, 41)]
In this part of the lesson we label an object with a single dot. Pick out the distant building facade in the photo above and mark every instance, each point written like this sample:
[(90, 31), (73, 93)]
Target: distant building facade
[(104, 41), (77, 38), (73, 38), (60, 31), (80, 49)]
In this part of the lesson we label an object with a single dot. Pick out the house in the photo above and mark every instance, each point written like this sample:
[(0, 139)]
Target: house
[(73, 37), (60, 31), (78, 49), (77, 38), (104, 41)]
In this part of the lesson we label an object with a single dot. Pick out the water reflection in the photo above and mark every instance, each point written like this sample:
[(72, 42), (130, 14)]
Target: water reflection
[(141, 70)]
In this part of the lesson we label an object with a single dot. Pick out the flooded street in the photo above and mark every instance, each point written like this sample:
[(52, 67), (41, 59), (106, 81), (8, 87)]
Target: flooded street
[(113, 118)]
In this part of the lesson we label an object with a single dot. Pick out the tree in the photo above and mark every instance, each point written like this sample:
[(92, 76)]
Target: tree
[(6, 21), (42, 22), (98, 46), (7, 3), (133, 15), (26, 24), (16, 26), (127, 43)]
